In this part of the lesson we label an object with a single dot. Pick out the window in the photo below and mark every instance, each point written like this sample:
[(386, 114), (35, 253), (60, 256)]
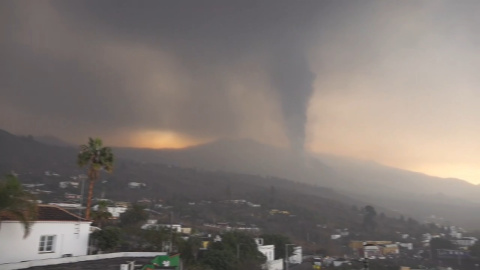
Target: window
[(47, 243)]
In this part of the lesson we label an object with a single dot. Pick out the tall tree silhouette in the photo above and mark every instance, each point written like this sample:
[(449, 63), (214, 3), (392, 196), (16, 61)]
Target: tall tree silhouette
[(369, 223), (97, 158)]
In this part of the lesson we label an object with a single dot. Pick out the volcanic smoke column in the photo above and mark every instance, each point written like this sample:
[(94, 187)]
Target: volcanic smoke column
[(293, 79)]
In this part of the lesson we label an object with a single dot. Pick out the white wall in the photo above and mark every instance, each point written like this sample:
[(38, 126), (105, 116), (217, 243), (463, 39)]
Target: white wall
[(297, 256), (71, 238), (268, 251), (274, 265), (29, 264), (116, 211)]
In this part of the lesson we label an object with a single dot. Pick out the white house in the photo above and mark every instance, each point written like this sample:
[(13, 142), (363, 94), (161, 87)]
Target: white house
[(408, 246), (465, 241), (116, 210), (56, 233), (136, 185), (269, 252), (297, 256), (370, 251), (175, 227)]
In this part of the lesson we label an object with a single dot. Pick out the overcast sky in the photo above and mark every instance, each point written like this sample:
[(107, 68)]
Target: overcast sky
[(392, 81)]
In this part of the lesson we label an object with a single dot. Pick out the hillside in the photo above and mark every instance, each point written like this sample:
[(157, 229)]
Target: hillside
[(399, 190), (188, 172)]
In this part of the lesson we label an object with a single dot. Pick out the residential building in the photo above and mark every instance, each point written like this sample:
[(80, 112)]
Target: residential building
[(115, 210), (269, 252), (297, 256), (465, 241), (452, 254), (390, 249), (371, 251), (175, 227), (408, 246), (56, 233), (136, 185)]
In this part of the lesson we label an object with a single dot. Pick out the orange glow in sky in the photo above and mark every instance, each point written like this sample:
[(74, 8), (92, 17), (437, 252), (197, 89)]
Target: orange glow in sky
[(162, 139)]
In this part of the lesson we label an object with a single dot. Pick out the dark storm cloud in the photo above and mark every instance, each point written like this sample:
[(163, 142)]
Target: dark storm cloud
[(68, 62)]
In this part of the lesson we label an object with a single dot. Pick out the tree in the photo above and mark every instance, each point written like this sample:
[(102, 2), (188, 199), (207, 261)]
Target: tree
[(280, 242), (189, 249), (475, 249), (369, 223), (17, 203), (218, 259), (101, 215), (133, 215), (108, 238), (238, 249), (97, 158)]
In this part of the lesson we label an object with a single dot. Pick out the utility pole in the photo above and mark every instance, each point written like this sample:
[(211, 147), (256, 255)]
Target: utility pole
[(81, 177), (171, 232), (286, 255), (238, 251), (365, 257)]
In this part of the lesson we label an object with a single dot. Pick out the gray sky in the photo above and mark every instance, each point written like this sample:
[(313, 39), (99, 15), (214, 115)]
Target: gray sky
[(391, 81)]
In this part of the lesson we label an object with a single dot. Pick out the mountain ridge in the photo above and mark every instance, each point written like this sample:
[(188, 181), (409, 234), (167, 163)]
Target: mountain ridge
[(389, 187)]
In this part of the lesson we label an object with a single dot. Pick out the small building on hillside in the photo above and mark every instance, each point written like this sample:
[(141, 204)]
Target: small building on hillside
[(465, 241), (390, 249), (297, 255), (371, 251), (56, 233), (154, 226), (135, 185), (116, 210), (269, 252)]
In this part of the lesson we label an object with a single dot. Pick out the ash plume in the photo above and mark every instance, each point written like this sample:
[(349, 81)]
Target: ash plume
[(293, 80)]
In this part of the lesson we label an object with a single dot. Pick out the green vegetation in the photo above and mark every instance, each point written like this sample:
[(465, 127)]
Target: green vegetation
[(96, 158), (17, 203), (369, 223), (475, 250), (279, 241), (107, 238), (440, 243), (134, 215), (236, 251), (101, 216)]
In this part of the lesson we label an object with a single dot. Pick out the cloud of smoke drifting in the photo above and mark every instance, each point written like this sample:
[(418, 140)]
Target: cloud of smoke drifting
[(203, 69)]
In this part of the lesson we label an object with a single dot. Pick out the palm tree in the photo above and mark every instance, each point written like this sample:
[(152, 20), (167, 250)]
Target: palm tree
[(17, 203), (101, 215), (96, 158)]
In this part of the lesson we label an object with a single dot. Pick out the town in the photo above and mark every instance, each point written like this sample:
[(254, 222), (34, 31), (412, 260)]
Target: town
[(192, 230), (239, 135)]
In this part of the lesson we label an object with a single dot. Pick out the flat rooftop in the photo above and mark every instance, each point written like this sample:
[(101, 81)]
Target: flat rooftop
[(104, 264)]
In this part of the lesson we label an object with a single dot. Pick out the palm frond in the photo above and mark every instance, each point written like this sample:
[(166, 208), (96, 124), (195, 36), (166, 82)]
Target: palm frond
[(16, 202)]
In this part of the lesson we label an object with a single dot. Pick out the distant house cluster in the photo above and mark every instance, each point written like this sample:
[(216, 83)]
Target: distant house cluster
[(279, 212), (378, 249), (136, 185), (226, 226), (178, 228), (242, 202)]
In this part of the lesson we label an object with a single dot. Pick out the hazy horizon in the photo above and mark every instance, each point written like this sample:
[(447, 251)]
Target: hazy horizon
[(392, 82)]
